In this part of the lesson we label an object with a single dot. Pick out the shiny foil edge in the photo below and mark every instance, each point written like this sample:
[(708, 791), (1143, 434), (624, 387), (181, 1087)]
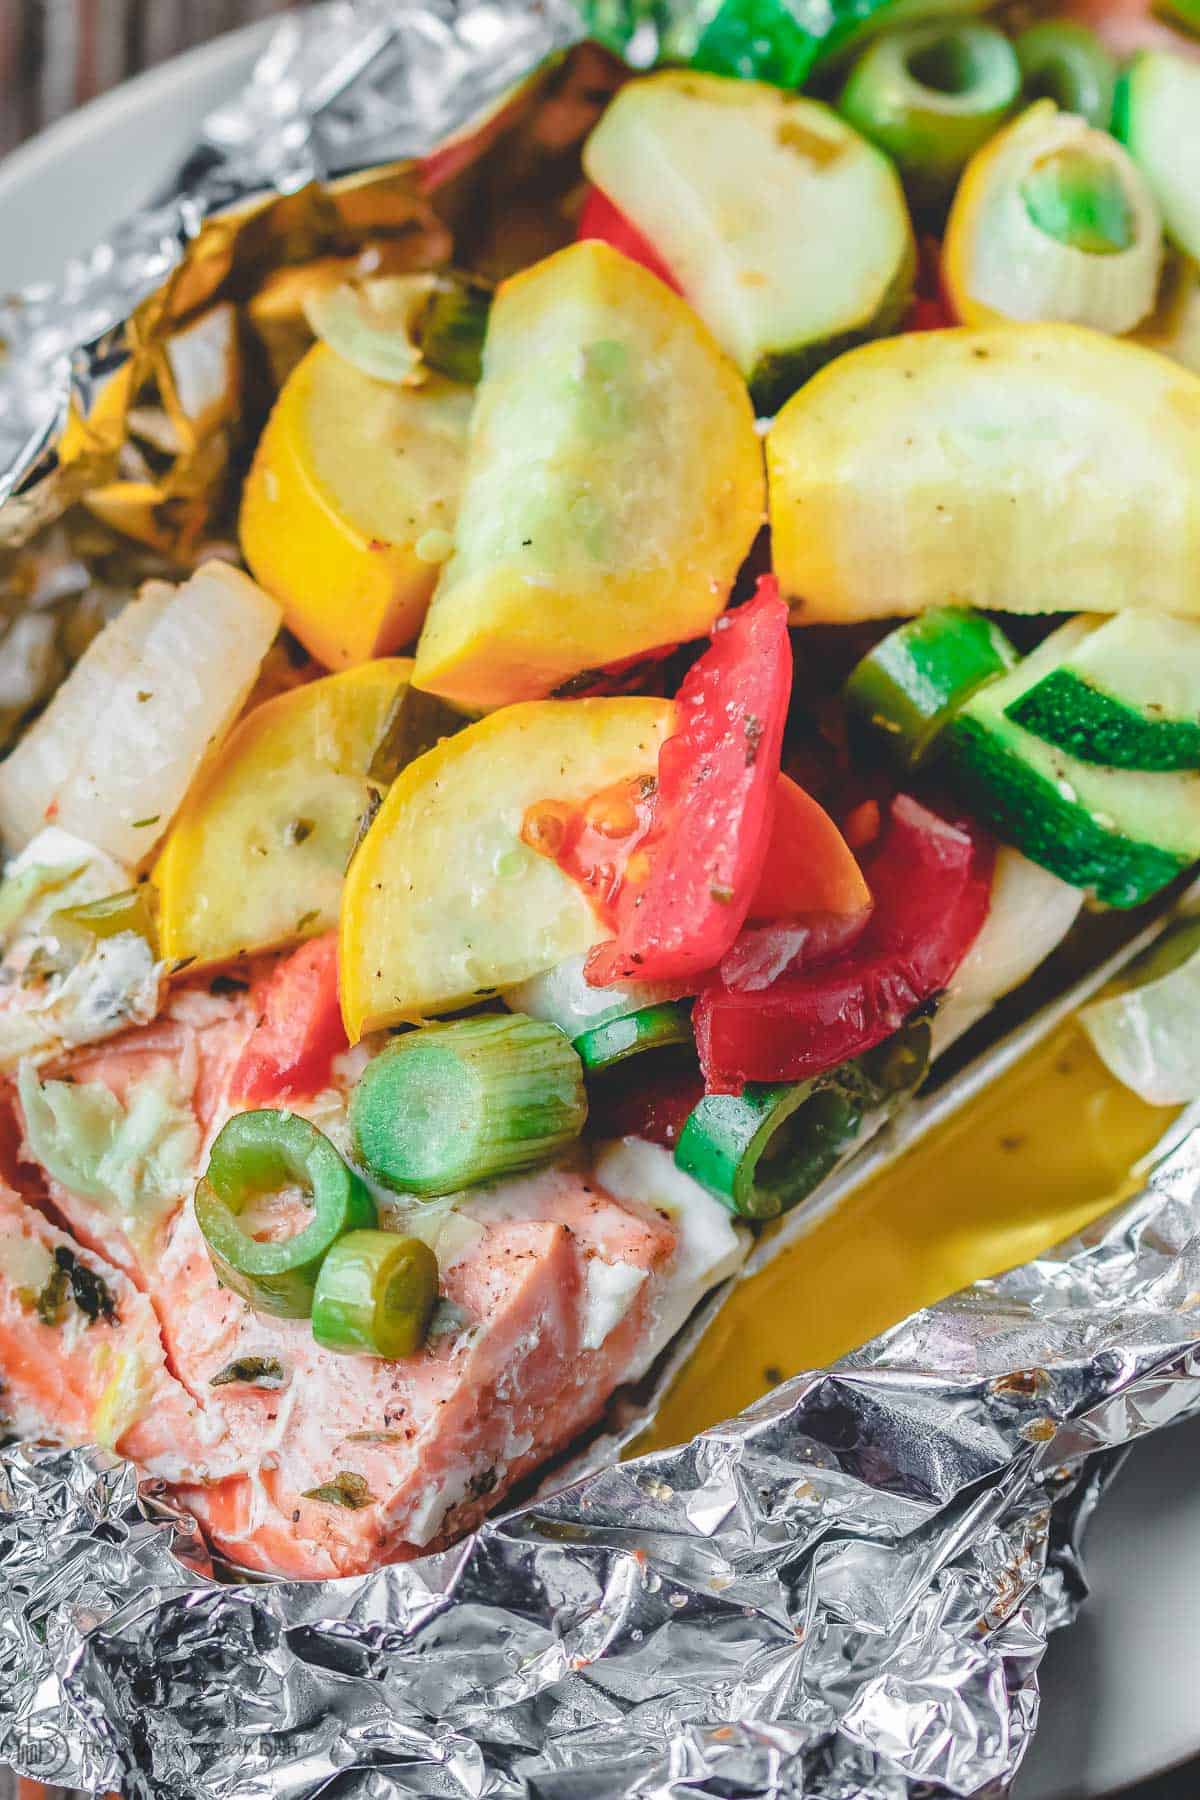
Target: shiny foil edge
[(844, 1591)]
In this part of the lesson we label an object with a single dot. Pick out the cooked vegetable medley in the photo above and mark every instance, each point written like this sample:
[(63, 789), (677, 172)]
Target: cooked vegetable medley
[(671, 691)]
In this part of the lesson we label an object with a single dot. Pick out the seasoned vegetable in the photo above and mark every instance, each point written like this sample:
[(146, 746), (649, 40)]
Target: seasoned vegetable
[(810, 871), (653, 1028), (299, 1028), (257, 855), (788, 234), (257, 1154), (564, 558), (398, 328), (931, 881), (1122, 833), (769, 40), (764, 1150), (453, 1105), (1146, 1034), (1157, 115), (93, 921), (1126, 694), (1030, 912), (1063, 61), (117, 748), (931, 96), (566, 998), (743, 1149), (915, 679), (601, 219), (680, 907), (347, 511), (375, 1294), (1053, 220), (443, 897), (1012, 469)]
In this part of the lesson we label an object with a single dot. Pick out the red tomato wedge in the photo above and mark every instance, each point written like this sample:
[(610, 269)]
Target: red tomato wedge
[(299, 1030), (931, 309), (686, 894), (810, 868), (931, 881), (601, 219)]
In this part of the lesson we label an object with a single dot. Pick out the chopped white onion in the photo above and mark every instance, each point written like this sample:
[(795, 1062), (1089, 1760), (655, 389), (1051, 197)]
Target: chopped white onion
[(563, 996), (1147, 1036), (1029, 914), (118, 747), (370, 324)]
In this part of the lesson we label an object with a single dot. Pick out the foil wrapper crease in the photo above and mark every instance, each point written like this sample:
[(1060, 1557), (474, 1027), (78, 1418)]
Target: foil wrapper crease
[(843, 1592)]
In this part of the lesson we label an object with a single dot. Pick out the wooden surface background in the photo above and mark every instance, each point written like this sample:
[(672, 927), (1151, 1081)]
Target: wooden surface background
[(55, 54)]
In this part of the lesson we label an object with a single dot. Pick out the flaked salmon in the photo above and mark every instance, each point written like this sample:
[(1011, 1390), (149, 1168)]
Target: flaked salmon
[(296, 1459)]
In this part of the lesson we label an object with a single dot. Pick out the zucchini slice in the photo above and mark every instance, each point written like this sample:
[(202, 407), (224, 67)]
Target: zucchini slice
[(1127, 696), (1121, 833), (1053, 220), (912, 683), (1157, 116), (784, 228), (1032, 468)]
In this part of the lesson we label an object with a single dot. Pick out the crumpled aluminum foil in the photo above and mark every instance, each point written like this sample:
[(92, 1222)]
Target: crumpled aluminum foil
[(843, 1592)]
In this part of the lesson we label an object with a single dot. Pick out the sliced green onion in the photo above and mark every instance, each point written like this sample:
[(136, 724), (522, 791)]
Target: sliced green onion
[(1185, 13), (106, 918), (1147, 1036), (930, 95), (413, 724), (395, 327), (1065, 62), (1079, 199), (263, 1152), (916, 678), (448, 1106), (764, 1150), (565, 997), (653, 1028), (454, 325), (1053, 220), (375, 1295)]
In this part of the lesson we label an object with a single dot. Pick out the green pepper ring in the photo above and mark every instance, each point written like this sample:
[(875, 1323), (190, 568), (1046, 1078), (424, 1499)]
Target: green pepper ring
[(254, 1153)]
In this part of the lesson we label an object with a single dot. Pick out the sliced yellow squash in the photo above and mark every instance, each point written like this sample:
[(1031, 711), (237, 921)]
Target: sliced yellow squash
[(349, 505), (443, 900), (613, 487), (257, 855), (1031, 468)]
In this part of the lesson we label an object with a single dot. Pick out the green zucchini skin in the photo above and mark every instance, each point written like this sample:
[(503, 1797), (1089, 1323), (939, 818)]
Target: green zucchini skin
[(777, 375), (914, 681), (1029, 811), (1067, 711)]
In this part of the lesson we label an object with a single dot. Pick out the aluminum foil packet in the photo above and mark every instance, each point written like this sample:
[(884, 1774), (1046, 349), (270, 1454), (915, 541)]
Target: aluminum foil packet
[(846, 1590)]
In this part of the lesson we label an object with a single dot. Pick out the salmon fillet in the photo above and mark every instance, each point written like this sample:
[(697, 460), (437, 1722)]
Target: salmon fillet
[(82, 1358), (296, 1460)]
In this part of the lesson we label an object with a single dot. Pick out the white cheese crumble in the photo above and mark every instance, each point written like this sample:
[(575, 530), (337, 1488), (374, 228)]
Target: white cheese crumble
[(711, 1245), (608, 1295)]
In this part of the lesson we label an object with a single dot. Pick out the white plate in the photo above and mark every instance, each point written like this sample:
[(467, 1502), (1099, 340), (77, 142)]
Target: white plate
[(1120, 1687)]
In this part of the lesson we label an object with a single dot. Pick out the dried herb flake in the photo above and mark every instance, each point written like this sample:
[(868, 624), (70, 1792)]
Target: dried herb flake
[(254, 1371), (346, 1489)]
